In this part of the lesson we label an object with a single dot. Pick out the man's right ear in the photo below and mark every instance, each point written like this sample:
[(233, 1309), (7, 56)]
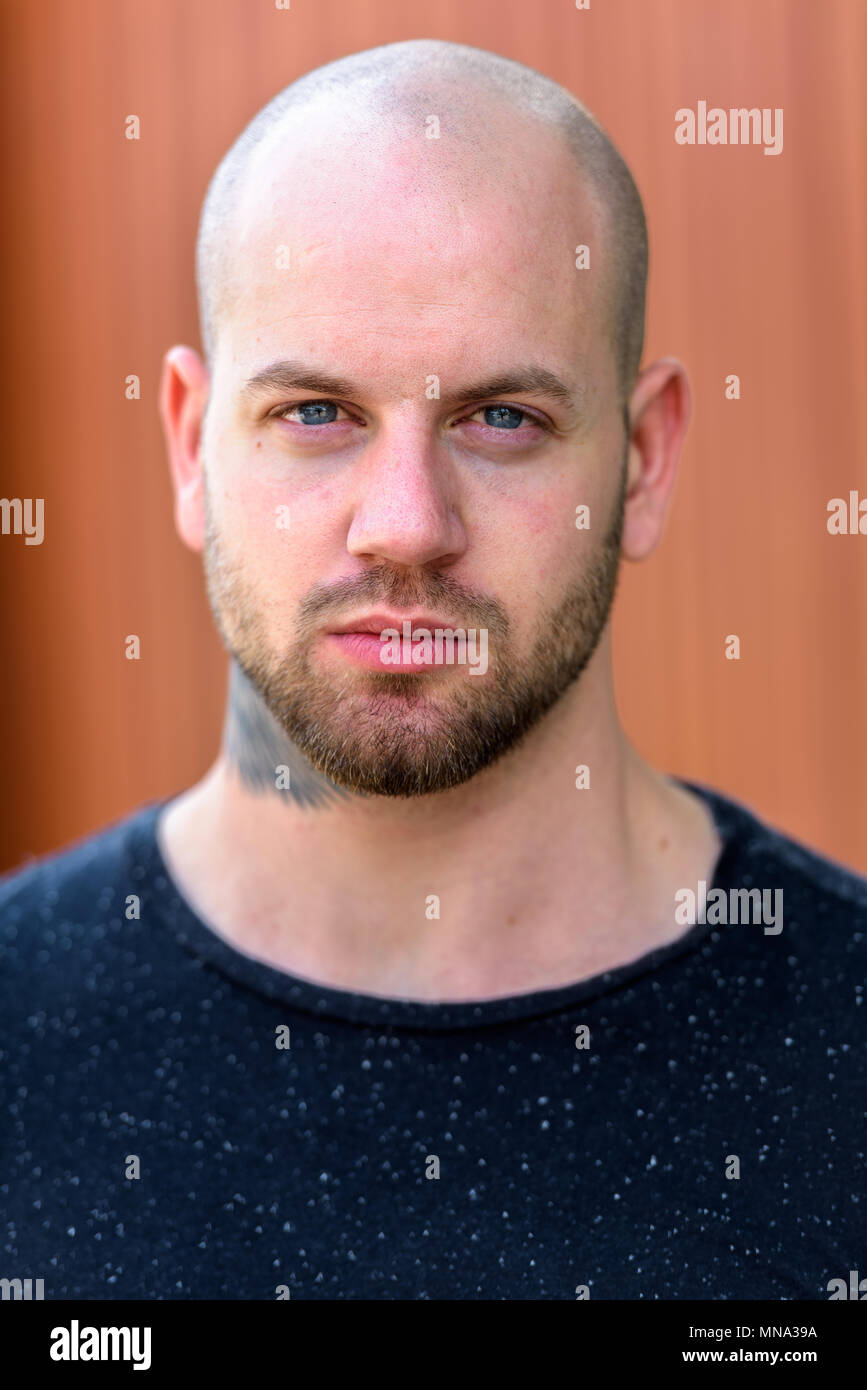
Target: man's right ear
[(183, 400)]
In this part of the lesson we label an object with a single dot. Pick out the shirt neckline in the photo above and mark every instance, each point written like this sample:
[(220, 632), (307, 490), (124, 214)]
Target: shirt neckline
[(173, 912)]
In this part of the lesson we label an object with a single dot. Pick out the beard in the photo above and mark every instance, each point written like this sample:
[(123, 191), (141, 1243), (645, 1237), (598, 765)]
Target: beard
[(396, 733)]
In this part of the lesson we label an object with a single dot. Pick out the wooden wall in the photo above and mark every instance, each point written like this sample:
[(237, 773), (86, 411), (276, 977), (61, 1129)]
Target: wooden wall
[(757, 268)]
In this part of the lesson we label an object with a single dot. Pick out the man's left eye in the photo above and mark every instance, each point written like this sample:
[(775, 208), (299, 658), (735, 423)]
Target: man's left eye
[(505, 417)]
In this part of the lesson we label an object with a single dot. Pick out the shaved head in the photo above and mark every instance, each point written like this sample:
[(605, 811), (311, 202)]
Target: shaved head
[(383, 98), (416, 398)]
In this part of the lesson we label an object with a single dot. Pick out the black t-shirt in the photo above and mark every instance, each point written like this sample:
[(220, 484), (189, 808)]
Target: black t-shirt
[(575, 1141)]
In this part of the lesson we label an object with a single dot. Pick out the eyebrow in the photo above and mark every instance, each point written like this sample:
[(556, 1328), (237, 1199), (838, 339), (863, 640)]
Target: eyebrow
[(287, 375)]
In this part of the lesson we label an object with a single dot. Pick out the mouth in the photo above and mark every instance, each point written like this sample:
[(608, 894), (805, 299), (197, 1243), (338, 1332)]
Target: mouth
[(380, 622), (360, 640)]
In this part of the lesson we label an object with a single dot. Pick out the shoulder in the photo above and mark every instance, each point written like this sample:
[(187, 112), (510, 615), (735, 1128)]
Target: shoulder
[(772, 858), (80, 865), (55, 908), (813, 908)]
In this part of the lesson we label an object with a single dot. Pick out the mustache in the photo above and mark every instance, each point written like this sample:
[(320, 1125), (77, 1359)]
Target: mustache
[(407, 590)]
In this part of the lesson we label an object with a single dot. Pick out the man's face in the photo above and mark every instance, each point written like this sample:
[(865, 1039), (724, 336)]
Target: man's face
[(414, 273)]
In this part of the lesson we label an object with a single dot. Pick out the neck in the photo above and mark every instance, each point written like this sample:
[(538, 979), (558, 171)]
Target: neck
[(262, 759), (513, 882)]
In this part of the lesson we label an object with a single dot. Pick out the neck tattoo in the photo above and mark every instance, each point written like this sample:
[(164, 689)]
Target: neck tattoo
[(264, 757)]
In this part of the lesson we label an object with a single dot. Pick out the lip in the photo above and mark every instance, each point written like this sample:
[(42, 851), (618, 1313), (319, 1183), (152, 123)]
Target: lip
[(359, 641), (378, 622)]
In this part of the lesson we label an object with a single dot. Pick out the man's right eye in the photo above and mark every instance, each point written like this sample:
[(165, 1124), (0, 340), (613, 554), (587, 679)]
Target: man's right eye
[(310, 412)]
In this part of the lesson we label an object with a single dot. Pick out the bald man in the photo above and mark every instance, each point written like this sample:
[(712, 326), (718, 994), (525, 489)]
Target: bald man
[(431, 988)]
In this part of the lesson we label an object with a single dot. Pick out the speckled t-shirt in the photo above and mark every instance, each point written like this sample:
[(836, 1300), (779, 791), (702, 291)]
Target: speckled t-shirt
[(181, 1122)]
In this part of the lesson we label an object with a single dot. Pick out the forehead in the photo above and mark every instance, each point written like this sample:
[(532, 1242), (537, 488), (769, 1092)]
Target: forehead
[(383, 242)]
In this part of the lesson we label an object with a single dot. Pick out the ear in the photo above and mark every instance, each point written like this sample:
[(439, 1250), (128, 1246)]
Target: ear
[(659, 411), (183, 400)]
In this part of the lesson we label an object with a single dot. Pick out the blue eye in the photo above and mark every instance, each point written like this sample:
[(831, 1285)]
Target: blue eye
[(503, 416), (316, 412)]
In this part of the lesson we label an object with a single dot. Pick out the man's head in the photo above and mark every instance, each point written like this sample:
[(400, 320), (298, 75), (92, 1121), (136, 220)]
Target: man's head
[(414, 382), (441, 103)]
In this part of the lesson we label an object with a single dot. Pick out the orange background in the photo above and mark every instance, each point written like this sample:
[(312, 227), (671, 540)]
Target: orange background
[(757, 268)]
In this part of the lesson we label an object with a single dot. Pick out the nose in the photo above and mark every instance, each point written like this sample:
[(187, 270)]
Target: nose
[(406, 510)]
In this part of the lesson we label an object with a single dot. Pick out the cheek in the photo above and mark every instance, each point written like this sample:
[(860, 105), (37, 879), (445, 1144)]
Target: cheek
[(278, 538), (538, 545), (278, 526)]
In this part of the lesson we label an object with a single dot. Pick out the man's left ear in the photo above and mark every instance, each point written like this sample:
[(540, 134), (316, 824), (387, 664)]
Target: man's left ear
[(659, 411)]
